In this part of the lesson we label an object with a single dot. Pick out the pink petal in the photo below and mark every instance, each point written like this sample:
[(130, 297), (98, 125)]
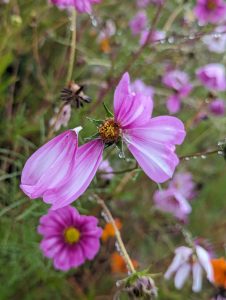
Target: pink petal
[(181, 275), (49, 165), (90, 247), (130, 108), (197, 277), (173, 104), (88, 159), (155, 156), (204, 259)]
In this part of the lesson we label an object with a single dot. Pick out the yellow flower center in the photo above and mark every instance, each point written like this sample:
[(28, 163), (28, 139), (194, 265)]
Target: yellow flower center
[(211, 4), (109, 131), (71, 235)]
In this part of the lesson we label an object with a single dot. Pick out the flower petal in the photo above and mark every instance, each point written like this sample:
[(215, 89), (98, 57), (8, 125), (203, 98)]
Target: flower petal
[(197, 277), (182, 275), (130, 108), (156, 158), (49, 165), (88, 159), (205, 262)]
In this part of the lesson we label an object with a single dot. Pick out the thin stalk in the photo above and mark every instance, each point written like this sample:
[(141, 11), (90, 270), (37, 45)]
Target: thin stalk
[(73, 47), (204, 153), (117, 235)]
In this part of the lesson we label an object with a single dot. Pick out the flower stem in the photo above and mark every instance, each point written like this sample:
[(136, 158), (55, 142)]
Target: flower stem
[(204, 153), (117, 235), (73, 46)]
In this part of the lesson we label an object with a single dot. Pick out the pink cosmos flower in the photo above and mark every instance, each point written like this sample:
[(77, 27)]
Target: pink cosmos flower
[(138, 23), (212, 76), (210, 11), (179, 82), (68, 237), (173, 202), (151, 141), (106, 167), (156, 36), (188, 261), (82, 6), (184, 184), (216, 42), (217, 107), (139, 87)]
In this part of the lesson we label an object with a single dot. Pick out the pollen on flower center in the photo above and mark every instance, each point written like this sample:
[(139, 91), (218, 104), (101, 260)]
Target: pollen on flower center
[(109, 131), (211, 4), (71, 235)]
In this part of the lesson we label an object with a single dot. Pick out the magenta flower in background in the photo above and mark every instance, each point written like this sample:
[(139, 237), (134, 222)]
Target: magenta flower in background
[(139, 87), (106, 167), (69, 238), (172, 201), (180, 83), (210, 11), (212, 76), (216, 42), (50, 165), (138, 23), (184, 184), (143, 3), (156, 36), (217, 107), (82, 6), (188, 261)]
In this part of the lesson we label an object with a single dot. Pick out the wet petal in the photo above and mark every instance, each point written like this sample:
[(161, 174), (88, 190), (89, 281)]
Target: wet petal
[(88, 159)]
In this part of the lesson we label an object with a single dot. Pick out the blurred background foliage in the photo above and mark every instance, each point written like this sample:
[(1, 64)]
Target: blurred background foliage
[(34, 51)]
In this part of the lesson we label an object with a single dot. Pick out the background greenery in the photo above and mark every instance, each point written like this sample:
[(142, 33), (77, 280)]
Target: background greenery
[(34, 51)]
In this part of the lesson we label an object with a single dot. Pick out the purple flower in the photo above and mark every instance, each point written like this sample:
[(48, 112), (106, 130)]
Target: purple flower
[(106, 167), (69, 238), (188, 261), (143, 3), (217, 107), (50, 164), (139, 87), (173, 202), (156, 36), (82, 6), (184, 184), (138, 23), (210, 11), (179, 82), (216, 42), (212, 76)]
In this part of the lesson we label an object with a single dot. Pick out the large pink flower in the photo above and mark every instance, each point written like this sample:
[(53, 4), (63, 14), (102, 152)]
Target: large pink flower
[(69, 238), (82, 6)]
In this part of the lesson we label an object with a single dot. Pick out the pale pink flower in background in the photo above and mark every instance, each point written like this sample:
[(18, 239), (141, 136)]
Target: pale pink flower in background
[(172, 201), (138, 23), (210, 11), (139, 87), (180, 83), (69, 238), (82, 6), (212, 76), (108, 31), (61, 120), (184, 184), (216, 42), (188, 261), (143, 3), (217, 107), (156, 36), (106, 167), (50, 165)]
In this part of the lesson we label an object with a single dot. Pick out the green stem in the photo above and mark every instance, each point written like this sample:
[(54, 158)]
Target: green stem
[(73, 46)]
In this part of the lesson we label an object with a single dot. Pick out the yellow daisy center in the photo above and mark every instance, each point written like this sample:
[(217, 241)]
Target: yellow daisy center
[(71, 235), (109, 131)]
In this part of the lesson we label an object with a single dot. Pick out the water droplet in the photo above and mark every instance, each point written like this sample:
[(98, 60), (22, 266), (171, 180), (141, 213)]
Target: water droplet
[(171, 40), (217, 35), (121, 154), (93, 21), (162, 41), (220, 152), (191, 37), (187, 158), (203, 156), (194, 157)]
